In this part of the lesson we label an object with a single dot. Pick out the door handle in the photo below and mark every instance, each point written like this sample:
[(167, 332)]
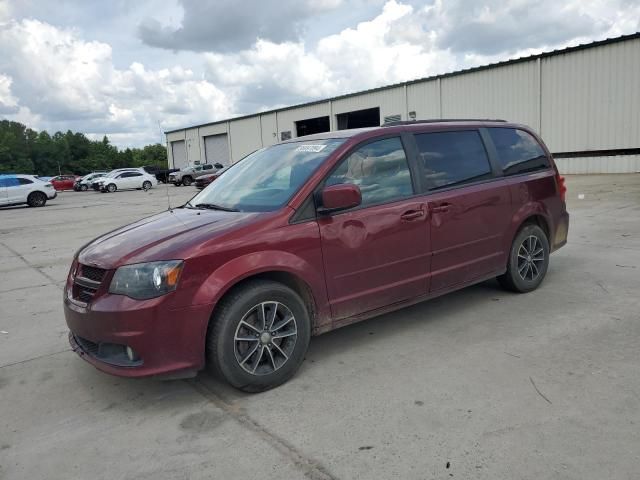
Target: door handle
[(440, 208), (412, 214)]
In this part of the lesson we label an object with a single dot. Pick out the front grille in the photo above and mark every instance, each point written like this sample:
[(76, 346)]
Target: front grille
[(87, 283), (92, 273)]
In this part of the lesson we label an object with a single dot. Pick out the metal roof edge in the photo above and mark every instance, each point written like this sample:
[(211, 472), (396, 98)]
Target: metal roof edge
[(551, 53)]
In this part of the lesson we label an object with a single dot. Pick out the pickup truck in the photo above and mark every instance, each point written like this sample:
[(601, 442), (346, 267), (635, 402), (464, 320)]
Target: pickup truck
[(161, 174), (186, 176)]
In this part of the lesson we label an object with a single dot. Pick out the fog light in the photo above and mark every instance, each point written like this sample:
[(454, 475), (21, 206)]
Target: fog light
[(131, 354)]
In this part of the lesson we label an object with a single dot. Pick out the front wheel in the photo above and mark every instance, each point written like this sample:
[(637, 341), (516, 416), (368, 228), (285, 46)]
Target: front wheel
[(37, 199), (111, 188), (528, 260), (83, 188), (186, 181), (258, 336)]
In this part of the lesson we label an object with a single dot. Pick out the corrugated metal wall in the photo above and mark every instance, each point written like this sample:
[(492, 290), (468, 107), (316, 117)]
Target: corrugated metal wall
[(245, 137), (591, 98), (510, 92), (580, 101)]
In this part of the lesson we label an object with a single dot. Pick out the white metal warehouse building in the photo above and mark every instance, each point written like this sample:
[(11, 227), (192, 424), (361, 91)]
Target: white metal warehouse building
[(584, 101)]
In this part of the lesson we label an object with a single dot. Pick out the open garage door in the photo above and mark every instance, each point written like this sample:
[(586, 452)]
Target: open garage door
[(311, 126), (359, 119), (179, 153), (216, 149)]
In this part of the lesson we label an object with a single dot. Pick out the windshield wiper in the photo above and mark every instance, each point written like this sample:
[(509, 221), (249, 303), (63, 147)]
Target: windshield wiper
[(213, 206)]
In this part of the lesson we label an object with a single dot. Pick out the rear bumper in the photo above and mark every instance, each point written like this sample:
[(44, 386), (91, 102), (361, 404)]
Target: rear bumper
[(52, 195), (165, 341)]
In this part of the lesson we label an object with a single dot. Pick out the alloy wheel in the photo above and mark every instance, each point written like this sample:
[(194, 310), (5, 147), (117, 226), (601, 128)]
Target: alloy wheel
[(265, 338), (530, 258)]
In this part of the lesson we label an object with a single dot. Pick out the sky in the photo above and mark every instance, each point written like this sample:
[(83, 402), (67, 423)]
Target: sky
[(132, 69)]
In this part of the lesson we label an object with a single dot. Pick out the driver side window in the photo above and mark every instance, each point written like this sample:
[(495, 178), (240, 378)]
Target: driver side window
[(380, 169)]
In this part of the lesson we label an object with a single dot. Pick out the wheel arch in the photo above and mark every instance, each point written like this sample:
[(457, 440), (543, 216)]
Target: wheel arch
[(282, 267), (289, 279), (539, 220)]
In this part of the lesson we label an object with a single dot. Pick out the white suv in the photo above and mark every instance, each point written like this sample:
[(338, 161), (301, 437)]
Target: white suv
[(18, 189)]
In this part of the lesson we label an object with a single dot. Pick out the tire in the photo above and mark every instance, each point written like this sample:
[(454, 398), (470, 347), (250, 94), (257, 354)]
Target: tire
[(84, 188), (260, 363), (186, 181), (111, 188), (37, 199), (146, 185), (528, 260)]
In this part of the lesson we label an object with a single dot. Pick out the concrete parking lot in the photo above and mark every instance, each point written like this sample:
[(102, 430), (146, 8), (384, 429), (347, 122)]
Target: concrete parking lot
[(477, 384)]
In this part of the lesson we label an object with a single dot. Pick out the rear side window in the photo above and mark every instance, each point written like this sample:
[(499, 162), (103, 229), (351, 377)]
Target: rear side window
[(379, 169), (518, 151), (24, 181), (452, 158)]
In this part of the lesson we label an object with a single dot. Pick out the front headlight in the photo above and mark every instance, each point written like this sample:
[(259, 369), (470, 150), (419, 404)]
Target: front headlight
[(146, 280)]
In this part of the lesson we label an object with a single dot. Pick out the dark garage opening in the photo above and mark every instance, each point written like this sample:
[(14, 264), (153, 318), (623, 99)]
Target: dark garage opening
[(311, 126), (359, 119)]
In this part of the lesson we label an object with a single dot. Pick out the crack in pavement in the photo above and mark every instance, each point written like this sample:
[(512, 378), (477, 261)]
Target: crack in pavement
[(27, 360), (30, 265), (28, 286), (310, 468)]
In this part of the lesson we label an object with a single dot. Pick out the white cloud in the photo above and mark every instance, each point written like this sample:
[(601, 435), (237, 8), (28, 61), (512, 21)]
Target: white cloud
[(377, 52), (60, 79), (8, 103)]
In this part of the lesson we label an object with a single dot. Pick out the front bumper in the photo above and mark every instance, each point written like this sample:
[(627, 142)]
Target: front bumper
[(165, 340)]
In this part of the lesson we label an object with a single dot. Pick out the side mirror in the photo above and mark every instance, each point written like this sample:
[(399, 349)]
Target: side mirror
[(340, 197)]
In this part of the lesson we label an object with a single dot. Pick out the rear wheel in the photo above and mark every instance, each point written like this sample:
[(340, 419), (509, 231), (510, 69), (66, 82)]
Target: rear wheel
[(111, 188), (37, 199), (528, 260), (258, 336), (186, 181), (146, 185)]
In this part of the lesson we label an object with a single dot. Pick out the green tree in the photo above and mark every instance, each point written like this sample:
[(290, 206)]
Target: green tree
[(23, 150)]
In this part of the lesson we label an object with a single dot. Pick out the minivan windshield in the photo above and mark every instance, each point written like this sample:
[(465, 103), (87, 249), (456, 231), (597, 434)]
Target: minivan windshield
[(266, 179)]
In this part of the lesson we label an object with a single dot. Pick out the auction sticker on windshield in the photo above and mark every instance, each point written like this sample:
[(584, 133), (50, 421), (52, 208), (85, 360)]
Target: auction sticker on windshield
[(310, 148)]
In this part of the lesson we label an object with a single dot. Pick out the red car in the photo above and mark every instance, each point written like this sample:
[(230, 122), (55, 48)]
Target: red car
[(203, 181), (312, 234), (64, 182)]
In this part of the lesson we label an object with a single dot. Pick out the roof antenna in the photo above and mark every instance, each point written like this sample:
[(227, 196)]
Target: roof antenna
[(166, 172)]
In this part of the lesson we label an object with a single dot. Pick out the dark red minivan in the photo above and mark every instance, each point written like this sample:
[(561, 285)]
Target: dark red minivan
[(312, 234)]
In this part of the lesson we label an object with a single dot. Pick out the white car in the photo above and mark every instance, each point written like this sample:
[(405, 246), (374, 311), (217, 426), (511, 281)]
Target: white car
[(18, 189), (127, 180), (85, 182)]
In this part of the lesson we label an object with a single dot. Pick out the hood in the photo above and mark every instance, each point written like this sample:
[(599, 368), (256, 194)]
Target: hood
[(166, 236)]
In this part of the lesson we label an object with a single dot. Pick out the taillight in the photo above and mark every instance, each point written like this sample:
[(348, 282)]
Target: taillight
[(562, 188)]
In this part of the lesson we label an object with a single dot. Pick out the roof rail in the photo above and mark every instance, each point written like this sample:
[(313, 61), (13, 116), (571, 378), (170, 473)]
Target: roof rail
[(440, 120)]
